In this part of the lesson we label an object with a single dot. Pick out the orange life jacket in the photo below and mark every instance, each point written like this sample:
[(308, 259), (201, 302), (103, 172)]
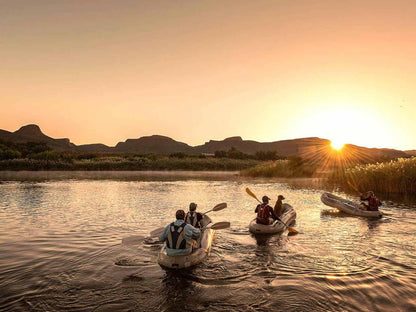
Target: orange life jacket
[(373, 203), (263, 213)]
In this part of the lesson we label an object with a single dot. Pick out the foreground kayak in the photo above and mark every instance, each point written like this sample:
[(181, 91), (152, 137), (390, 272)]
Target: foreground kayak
[(348, 206), (197, 255), (288, 216)]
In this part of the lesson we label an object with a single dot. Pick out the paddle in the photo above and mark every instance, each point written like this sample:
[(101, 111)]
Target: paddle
[(217, 208), (291, 230)]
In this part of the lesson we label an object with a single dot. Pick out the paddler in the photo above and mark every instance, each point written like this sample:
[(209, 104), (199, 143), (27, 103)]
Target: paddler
[(192, 217), (179, 236), (265, 213), (373, 202)]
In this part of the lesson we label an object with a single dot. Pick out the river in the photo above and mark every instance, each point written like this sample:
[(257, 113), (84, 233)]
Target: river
[(61, 235)]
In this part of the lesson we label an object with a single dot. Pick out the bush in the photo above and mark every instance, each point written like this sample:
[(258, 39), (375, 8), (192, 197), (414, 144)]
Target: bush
[(396, 176)]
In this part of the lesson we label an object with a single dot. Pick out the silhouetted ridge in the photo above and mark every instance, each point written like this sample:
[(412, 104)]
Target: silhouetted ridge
[(30, 130), (159, 144)]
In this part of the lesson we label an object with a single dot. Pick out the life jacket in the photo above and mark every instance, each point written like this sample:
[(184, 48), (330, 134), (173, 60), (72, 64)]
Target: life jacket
[(263, 213), (176, 236), (373, 203), (192, 219)]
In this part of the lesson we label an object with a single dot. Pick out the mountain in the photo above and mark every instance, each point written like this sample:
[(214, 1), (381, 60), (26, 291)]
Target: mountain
[(283, 148), (157, 144), (312, 147), (97, 147), (32, 133)]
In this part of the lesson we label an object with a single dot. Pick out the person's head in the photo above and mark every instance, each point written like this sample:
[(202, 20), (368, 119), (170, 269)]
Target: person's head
[(280, 197), (192, 206), (370, 193), (265, 199), (180, 215)]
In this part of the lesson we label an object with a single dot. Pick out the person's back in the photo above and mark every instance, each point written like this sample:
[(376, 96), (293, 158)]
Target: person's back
[(373, 202), (265, 214), (192, 217), (179, 236)]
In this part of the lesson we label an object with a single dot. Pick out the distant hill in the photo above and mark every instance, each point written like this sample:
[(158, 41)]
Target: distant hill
[(98, 147), (32, 133), (153, 144), (312, 147), (283, 148)]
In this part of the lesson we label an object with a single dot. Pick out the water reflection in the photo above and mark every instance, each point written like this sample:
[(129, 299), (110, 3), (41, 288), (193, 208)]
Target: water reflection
[(179, 291), (336, 261)]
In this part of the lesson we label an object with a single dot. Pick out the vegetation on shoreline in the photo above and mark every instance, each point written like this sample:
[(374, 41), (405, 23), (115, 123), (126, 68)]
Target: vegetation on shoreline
[(393, 177), (152, 162), (38, 156), (292, 167)]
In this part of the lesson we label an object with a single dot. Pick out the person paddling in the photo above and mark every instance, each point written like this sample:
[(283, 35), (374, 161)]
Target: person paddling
[(179, 236), (192, 217), (265, 213), (373, 202)]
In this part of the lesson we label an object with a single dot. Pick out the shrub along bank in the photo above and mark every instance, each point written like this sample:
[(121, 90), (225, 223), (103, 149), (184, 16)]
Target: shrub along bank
[(393, 177)]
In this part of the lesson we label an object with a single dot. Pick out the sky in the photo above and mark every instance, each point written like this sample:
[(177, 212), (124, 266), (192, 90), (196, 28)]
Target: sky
[(105, 71)]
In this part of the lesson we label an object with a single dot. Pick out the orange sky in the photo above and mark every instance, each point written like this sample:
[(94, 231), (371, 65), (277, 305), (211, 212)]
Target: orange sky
[(104, 71)]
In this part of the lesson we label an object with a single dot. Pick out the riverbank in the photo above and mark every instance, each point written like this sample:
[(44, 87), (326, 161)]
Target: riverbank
[(129, 163)]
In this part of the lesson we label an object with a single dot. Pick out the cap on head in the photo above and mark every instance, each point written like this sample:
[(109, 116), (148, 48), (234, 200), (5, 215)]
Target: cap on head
[(280, 197), (180, 214), (265, 199), (192, 206)]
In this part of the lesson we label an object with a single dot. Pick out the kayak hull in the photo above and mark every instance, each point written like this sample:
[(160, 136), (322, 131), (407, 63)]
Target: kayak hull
[(348, 206), (288, 216), (197, 255)]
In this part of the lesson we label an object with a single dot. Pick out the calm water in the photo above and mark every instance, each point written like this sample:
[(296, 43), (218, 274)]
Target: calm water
[(60, 240)]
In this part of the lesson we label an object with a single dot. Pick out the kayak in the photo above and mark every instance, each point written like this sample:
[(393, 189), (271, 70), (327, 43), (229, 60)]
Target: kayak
[(197, 255), (288, 216), (348, 206)]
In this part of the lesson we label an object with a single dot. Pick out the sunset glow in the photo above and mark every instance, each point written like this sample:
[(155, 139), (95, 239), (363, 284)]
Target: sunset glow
[(107, 71), (337, 145)]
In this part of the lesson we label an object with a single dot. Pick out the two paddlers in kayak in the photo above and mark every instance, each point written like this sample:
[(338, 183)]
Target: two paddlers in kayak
[(181, 235)]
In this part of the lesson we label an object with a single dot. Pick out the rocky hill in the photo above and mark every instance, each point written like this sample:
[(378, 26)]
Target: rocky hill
[(32, 133), (153, 144)]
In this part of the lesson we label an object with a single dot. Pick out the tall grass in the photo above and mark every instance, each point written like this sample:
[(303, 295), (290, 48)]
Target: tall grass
[(129, 163), (397, 176), (280, 168)]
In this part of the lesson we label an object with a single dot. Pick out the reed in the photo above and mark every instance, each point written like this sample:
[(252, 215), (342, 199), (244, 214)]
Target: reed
[(281, 168), (49, 161), (393, 177)]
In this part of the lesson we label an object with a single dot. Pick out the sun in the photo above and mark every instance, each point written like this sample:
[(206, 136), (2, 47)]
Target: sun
[(337, 145)]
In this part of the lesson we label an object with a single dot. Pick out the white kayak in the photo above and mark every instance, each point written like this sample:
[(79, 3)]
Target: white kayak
[(197, 255), (288, 216), (348, 206)]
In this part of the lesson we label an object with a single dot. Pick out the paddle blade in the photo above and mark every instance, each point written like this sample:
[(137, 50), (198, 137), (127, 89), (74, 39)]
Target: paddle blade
[(220, 225), (219, 207), (292, 231), (156, 232), (251, 194)]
